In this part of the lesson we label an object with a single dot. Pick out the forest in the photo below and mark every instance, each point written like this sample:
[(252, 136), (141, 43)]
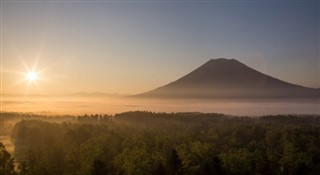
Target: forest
[(148, 143)]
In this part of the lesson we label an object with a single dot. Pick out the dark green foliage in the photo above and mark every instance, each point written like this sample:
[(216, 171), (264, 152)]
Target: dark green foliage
[(238, 161), (174, 163), (6, 162), (23, 168), (99, 168), (176, 144)]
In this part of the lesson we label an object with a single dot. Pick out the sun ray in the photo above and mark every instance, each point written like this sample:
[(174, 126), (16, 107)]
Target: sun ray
[(31, 76)]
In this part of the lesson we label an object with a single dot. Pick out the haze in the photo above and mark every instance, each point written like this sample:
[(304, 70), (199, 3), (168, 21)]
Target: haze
[(132, 47), (159, 87)]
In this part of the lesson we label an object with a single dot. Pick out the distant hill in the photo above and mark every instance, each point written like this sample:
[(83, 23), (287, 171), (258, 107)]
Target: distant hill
[(229, 78), (94, 94), (76, 94)]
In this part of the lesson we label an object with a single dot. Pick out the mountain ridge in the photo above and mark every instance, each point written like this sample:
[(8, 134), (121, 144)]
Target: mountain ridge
[(229, 78)]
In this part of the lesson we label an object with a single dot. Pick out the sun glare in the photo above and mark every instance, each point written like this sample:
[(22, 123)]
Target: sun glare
[(32, 76)]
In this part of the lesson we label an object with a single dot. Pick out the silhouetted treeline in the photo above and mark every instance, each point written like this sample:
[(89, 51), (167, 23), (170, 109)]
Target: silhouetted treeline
[(168, 143), (8, 119)]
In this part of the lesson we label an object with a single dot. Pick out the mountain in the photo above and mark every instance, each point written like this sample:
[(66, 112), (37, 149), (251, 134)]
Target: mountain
[(95, 94), (230, 79)]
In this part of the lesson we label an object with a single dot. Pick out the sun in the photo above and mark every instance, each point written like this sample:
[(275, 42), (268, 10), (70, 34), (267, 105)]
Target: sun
[(32, 76)]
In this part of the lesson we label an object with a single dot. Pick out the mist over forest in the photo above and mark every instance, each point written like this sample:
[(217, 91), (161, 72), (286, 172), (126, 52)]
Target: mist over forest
[(160, 143), (80, 105), (159, 87)]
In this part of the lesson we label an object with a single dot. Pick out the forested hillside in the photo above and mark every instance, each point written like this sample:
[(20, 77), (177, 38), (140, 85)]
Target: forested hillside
[(138, 143)]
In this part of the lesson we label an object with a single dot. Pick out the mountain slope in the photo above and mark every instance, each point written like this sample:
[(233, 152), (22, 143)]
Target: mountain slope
[(229, 78)]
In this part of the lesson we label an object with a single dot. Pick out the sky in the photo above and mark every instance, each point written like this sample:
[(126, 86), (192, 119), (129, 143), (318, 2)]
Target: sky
[(129, 47)]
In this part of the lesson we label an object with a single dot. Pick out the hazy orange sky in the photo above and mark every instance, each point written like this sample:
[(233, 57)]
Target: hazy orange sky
[(131, 47)]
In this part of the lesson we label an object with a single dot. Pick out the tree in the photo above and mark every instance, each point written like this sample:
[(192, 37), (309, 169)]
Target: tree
[(237, 161), (294, 161), (23, 168), (197, 158), (6, 161), (175, 163), (99, 168), (138, 161)]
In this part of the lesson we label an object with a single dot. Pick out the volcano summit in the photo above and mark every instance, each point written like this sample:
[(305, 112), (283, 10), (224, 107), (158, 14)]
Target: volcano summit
[(230, 79)]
